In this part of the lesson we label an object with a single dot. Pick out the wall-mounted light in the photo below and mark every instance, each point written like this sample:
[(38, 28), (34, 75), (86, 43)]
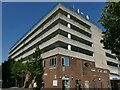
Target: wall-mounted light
[(72, 78), (99, 79), (60, 77)]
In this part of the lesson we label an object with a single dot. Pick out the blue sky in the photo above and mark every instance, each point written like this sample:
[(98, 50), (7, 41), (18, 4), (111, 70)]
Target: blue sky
[(19, 17)]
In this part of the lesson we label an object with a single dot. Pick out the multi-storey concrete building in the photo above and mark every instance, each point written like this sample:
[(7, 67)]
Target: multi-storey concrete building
[(71, 49), (113, 63)]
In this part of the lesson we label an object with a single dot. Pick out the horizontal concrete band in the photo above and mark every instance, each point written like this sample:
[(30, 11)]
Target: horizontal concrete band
[(58, 26), (55, 9), (59, 38), (53, 46), (38, 24)]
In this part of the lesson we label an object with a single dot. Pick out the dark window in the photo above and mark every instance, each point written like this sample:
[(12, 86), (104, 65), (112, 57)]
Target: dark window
[(102, 85), (81, 50), (119, 58), (53, 62), (76, 38), (65, 61), (76, 28), (112, 64), (111, 56), (75, 19), (81, 40), (94, 85), (86, 64), (81, 31)]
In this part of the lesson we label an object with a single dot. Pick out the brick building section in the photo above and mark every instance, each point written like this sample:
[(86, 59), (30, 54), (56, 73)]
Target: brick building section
[(78, 69)]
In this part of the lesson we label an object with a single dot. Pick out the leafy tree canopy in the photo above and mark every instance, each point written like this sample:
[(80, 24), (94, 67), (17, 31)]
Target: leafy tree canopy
[(34, 64), (6, 69), (18, 69), (110, 20)]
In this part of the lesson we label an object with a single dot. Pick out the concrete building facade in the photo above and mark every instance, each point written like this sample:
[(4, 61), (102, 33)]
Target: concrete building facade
[(71, 49)]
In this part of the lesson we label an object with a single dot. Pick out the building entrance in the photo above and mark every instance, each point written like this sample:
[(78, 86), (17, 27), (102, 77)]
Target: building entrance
[(65, 84), (115, 84)]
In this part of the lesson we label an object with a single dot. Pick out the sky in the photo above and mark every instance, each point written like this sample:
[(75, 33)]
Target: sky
[(19, 17)]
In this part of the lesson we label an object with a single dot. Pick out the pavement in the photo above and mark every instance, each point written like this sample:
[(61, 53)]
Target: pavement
[(15, 88)]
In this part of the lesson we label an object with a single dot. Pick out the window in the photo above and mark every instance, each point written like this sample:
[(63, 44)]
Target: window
[(69, 26), (118, 58), (65, 61), (43, 62), (102, 85), (93, 69), (112, 64), (108, 84), (105, 71), (86, 85), (68, 16), (86, 64), (69, 36), (111, 56), (69, 47), (94, 85), (53, 62), (99, 70)]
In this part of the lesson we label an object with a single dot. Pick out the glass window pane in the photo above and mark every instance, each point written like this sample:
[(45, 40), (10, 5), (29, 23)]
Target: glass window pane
[(69, 47), (54, 61), (50, 62), (62, 61), (66, 61), (69, 26), (69, 36)]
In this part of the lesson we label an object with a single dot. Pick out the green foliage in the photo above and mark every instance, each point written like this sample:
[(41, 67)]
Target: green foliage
[(18, 69), (6, 73), (110, 19), (37, 54), (6, 70), (35, 64)]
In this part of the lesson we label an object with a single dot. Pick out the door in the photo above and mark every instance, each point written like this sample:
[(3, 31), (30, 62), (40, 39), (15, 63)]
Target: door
[(86, 85), (65, 84)]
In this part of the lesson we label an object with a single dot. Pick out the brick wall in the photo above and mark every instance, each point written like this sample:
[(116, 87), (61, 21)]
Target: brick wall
[(78, 69)]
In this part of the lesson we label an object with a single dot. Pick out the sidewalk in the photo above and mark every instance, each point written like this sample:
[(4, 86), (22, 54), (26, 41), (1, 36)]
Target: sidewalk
[(16, 88)]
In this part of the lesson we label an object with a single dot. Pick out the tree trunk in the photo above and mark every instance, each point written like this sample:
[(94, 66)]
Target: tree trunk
[(16, 82), (22, 81), (39, 81), (26, 79), (32, 80)]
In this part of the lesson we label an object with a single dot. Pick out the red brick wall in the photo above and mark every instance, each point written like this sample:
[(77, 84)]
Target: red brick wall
[(76, 70)]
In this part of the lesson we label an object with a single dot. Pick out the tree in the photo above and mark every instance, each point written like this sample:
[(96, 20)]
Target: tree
[(110, 20), (18, 71), (6, 73), (38, 66), (34, 66)]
